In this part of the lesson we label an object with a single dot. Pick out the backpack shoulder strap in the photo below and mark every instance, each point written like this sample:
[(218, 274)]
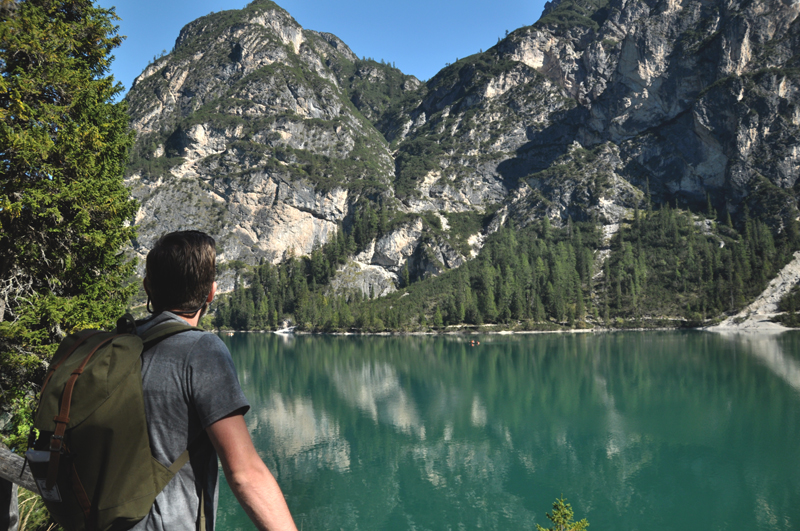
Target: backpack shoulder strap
[(164, 330), (184, 457)]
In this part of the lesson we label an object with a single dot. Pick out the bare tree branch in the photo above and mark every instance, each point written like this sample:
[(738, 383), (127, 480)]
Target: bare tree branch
[(11, 469)]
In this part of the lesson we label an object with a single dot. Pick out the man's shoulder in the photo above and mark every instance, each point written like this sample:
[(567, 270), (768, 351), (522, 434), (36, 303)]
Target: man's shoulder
[(196, 341), (187, 340)]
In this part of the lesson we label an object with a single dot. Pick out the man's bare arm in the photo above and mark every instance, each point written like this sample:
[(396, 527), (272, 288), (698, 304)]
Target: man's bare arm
[(248, 476)]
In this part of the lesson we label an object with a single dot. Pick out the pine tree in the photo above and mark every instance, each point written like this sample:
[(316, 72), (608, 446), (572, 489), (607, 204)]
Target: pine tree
[(546, 228), (63, 205), (438, 321), (580, 309), (486, 293), (562, 518), (406, 275)]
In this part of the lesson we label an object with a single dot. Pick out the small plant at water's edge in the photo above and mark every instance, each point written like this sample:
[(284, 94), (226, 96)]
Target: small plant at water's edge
[(562, 518)]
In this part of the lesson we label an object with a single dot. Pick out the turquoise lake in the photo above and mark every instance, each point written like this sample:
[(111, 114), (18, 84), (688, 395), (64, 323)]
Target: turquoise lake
[(638, 430)]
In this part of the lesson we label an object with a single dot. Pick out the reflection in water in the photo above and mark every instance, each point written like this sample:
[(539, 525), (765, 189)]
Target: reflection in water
[(767, 348), (375, 389), (637, 430), (478, 413), (310, 439)]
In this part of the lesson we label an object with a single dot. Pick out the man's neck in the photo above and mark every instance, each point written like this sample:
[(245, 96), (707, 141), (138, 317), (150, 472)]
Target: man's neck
[(191, 320)]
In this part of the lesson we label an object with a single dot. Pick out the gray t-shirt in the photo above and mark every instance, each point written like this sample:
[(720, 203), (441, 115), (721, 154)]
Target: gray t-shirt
[(189, 383)]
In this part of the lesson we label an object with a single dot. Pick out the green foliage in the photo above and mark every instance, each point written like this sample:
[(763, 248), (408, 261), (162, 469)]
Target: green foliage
[(669, 263), (415, 159), (665, 268), (63, 206), (563, 518), (521, 278), (789, 304), (33, 515), (373, 99), (293, 288), (154, 167), (790, 301), (358, 172), (463, 225)]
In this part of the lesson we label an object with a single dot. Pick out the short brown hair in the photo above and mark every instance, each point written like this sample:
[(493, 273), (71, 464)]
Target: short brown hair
[(181, 268)]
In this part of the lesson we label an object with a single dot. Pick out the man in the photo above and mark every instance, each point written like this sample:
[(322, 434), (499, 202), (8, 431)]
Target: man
[(193, 399)]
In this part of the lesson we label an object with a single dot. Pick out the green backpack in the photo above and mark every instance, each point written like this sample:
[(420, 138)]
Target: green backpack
[(92, 459)]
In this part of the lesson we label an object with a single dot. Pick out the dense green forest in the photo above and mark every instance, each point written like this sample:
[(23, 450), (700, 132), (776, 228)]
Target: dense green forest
[(64, 209), (663, 267)]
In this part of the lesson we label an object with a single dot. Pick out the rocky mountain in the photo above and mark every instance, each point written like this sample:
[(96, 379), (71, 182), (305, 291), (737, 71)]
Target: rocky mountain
[(271, 137)]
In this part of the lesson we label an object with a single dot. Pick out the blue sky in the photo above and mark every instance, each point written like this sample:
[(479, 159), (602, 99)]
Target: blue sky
[(419, 36)]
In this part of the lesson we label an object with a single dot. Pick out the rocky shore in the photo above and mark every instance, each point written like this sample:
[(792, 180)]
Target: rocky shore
[(757, 317)]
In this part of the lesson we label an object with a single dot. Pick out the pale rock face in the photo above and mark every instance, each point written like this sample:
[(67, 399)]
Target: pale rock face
[(228, 184), (394, 249), (145, 123), (503, 83), (535, 51), (365, 256), (609, 198), (411, 84), (262, 218), (149, 71), (476, 243), (331, 206), (365, 278), (282, 230), (444, 258), (277, 219), (289, 33), (201, 141)]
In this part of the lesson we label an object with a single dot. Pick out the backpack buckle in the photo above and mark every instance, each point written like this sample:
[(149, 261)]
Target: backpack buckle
[(126, 324), (57, 443)]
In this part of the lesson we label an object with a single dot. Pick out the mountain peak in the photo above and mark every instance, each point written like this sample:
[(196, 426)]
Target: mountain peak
[(549, 7)]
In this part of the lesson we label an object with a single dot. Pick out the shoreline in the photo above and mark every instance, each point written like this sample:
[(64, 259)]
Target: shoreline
[(756, 324)]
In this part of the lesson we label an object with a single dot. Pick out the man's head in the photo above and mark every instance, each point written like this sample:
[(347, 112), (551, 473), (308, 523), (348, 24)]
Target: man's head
[(180, 271)]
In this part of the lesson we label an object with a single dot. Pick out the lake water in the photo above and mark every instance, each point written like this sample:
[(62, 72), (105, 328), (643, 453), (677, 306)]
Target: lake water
[(639, 431)]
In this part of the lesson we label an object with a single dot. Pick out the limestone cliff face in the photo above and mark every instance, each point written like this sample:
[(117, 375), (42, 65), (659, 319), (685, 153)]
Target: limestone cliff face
[(270, 136), (697, 97), (245, 131)]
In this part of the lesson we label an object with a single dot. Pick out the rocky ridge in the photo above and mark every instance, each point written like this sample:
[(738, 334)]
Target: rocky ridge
[(271, 137)]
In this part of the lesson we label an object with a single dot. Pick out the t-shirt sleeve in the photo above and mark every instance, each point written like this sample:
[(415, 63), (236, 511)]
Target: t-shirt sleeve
[(214, 386)]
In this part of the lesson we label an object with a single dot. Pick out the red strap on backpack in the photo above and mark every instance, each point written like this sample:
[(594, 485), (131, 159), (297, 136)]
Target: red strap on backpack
[(81, 339), (62, 419)]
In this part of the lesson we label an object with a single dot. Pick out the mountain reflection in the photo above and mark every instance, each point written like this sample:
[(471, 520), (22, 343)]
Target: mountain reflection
[(767, 348), (374, 388), (430, 433), (308, 438)]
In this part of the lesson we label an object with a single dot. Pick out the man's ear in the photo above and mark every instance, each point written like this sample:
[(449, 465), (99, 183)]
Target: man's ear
[(212, 293)]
